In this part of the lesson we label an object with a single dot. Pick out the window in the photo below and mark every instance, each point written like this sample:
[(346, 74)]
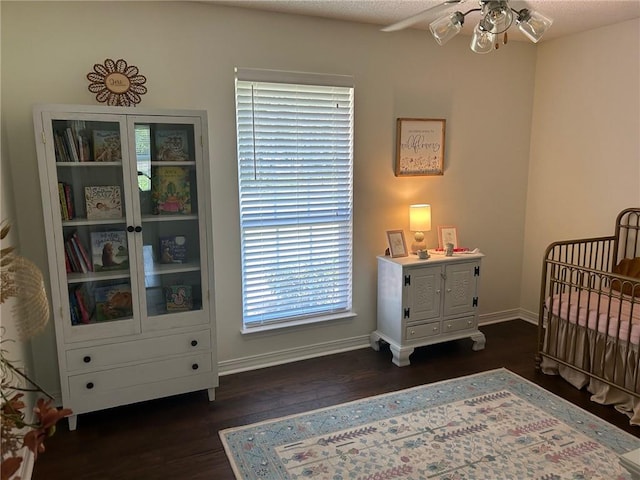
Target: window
[(295, 174)]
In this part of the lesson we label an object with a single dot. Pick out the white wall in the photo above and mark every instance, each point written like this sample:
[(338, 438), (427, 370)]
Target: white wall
[(585, 155), (18, 352), (188, 52)]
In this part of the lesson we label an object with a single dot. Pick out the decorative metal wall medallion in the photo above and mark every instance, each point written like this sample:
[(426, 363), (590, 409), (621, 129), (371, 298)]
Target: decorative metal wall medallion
[(116, 83)]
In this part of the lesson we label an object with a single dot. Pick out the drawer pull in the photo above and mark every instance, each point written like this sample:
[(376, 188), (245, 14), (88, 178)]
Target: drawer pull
[(194, 343), (449, 326), (435, 329), (194, 366), (86, 359), (89, 385)]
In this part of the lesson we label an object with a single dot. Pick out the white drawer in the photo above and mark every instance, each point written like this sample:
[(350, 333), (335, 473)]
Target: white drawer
[(458, 324), (114, 354), (415, 332), (99, 383)]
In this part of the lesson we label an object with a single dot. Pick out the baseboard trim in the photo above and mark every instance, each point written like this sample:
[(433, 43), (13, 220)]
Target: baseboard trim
[(254, 362), (499, 317), (270, 359), (529, 316)]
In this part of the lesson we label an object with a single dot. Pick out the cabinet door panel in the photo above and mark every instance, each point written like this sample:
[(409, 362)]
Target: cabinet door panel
[(168, 165), (423, 293), (90, 207), (460, 288)]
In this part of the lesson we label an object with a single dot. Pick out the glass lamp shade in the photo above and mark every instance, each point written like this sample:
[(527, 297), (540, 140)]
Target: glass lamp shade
[(445, 28), (482, 41), (498, 17), (533, 24)]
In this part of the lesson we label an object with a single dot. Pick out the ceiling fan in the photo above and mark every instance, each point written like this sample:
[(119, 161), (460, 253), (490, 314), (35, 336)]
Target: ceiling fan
[(496, 18)]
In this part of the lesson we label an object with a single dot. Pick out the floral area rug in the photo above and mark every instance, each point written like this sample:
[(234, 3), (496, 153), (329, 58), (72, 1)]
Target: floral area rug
[(493, 425)]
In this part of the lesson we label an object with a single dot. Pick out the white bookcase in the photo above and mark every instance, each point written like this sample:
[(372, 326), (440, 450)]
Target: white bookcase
[(137, 323), (424, 302)]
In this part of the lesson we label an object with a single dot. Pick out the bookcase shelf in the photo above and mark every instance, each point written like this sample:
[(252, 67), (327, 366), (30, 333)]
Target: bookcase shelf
[(130, 248)]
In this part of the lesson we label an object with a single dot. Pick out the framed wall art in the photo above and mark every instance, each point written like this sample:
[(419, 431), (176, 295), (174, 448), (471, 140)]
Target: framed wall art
[(397, 245), (420, 146), (447, 234)]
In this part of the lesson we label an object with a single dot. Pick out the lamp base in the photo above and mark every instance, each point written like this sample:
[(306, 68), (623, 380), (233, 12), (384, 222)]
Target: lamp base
[(415, 246)]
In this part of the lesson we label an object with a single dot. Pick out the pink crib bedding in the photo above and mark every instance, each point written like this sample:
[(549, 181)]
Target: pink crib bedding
[(600, 311)]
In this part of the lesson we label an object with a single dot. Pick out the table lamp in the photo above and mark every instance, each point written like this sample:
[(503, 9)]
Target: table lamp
[(419, 222)]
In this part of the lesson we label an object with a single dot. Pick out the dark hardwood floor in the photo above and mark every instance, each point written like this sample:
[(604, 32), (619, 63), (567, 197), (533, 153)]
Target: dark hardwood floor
[(177, 438)]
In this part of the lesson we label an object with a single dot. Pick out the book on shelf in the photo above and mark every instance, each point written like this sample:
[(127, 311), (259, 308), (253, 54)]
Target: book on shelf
[(74, 310), (68, 195), (71, 258), (64, 212), (67, 263), (67, 208), (60, 148), (74, 256), (171, 190), (103, 202), (109, 251), (172, 249), (178, 298), (83, 147), (172, 146), (113, 302), (79, 258), (85, 302), (84, 254), (73, 148), (106, 146)]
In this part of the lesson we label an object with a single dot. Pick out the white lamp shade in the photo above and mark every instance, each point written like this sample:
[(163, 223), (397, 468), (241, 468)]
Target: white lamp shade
[(420, 218)]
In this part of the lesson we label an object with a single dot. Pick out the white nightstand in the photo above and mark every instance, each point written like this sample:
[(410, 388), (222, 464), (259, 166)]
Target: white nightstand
[(424, 302)]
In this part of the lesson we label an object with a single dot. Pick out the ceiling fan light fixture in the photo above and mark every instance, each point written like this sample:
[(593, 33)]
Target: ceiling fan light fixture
[(447, 27), (497, 16), (533, 24), (482, 41)]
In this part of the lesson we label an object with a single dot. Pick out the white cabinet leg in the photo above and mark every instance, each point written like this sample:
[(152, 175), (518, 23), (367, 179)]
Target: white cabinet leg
[(401, 355), (73, 422), (478, 341), (211, 392)]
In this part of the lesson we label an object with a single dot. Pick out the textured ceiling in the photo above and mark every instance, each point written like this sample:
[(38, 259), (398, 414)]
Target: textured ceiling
[(569, 16)]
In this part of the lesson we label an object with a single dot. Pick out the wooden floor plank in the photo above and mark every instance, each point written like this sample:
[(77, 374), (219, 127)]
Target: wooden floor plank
[(177, 437)]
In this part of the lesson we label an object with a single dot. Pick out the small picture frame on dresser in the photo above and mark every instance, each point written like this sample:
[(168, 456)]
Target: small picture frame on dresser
[(397, 244), (447, 234)]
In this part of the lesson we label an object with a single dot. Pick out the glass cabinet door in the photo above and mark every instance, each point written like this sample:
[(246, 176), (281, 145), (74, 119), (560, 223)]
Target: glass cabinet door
[(168, 156), (94, 250)]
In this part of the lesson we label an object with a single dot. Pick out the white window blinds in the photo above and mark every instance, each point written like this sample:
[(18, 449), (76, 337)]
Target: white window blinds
[(295, 165)]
